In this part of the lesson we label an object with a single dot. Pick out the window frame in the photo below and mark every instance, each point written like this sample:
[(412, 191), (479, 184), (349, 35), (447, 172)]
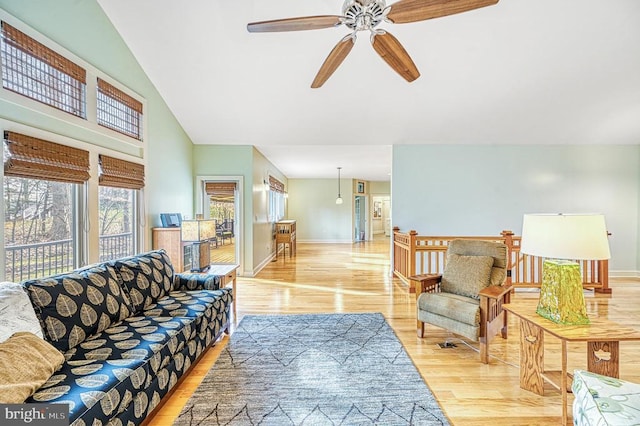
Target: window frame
[(87, 128), (64, 83)]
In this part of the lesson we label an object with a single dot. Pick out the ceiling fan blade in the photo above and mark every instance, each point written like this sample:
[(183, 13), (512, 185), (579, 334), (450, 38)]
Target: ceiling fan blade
[(333, 61), (390, 49), (295, 24), (406, 11)]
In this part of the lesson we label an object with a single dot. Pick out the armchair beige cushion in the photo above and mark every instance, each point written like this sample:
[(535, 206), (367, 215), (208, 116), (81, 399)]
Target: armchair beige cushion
[(466, 275)]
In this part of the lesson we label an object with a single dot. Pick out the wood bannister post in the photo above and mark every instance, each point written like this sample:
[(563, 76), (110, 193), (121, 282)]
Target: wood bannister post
[(508, 241), (412, 253)]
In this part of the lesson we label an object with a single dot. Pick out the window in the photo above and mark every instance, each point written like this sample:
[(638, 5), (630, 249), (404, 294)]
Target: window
[(41, 183), (38, 232), (37, 72), (117, 211), (276, 199), (119, 111), (119, 181)]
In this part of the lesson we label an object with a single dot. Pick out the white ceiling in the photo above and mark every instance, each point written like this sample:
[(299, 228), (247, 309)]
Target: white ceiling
[(519, 72)]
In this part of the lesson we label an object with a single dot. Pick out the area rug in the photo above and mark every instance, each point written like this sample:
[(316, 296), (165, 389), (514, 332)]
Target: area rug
[(333, 369)]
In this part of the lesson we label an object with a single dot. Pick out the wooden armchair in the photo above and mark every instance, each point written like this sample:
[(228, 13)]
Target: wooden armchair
[(467, 298)]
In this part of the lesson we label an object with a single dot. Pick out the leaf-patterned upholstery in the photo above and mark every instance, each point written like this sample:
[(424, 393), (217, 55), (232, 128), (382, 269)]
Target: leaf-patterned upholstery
[(74, 306), (189, 281), (147, 277), (119, 374)]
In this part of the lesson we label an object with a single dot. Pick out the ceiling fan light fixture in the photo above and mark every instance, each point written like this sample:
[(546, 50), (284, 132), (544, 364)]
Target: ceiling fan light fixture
[(365, 15)]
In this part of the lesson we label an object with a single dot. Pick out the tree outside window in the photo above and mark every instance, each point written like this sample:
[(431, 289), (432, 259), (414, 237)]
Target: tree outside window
[(116, 222), (38, 229)]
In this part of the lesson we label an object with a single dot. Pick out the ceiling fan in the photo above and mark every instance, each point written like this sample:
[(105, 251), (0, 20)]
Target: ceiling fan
[(361, 15)]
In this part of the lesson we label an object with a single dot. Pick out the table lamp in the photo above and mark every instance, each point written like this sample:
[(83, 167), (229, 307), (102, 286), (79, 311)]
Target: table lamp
[(199, 232), (562, 239)]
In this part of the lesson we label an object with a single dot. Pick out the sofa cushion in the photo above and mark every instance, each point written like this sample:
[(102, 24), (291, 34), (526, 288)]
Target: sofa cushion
[(73, 306), (147, 277), (466, 275), (136, 337), (190, 304), (94, 389), (603, 400), (26, 363), (16, 311)]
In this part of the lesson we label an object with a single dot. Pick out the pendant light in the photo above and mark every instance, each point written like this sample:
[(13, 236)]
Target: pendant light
[(339, 199)]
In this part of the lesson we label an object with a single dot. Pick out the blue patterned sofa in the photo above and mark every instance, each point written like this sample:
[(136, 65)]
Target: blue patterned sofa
[(128, 330)]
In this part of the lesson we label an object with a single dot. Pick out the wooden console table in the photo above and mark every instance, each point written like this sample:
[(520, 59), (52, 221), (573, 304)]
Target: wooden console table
[(602, 337), (286, 234), (227, 274)]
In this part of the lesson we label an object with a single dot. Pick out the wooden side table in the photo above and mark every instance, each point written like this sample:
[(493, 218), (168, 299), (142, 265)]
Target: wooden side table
[(227, 274), (602, 337)]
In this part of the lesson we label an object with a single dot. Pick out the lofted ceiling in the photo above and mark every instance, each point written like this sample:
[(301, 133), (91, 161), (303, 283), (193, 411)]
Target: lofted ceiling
[(519, 72)]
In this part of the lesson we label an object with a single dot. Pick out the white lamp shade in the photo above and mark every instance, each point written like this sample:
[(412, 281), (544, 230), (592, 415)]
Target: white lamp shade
[(565, 236), (198, 230)]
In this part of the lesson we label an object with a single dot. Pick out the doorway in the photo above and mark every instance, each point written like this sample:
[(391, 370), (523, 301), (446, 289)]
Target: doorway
[(220, 203), (360, 218)]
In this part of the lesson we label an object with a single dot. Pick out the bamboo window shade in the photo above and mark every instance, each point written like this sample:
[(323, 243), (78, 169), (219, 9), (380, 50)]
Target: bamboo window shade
[(27, 44), (119, 173), (117, 94), (275, 185), (29, 157), (31, 69), (219, 188), (118, 111)]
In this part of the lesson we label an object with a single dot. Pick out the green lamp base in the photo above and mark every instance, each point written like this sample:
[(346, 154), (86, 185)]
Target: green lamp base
[(561, 296)]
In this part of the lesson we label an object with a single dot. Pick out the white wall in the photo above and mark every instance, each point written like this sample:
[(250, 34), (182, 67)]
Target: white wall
[(312, 202), (482, 190)]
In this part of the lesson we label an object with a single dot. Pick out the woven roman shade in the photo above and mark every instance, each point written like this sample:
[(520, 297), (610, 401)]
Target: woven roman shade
[(22, 41), (119, 173), (219, 188), (119, 95), (275, 184), (29, 157)]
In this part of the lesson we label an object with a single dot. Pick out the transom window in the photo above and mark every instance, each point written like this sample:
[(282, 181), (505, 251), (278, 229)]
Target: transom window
[(119, 111), (37, 72)]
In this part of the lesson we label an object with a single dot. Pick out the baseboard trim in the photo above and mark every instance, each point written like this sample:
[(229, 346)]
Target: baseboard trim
[(624, 274), (326, 241)]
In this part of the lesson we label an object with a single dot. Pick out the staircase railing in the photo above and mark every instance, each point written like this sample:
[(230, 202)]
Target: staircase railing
[(415, 254)]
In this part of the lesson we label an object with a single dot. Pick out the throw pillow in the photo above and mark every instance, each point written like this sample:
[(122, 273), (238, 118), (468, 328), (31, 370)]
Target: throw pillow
[(16, 311), (466, 275), (73, 306), (26, 363), (147, 277)]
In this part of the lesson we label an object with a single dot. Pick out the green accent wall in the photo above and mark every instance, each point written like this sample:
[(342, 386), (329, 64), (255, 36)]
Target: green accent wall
[(248, 162), (82, 28)]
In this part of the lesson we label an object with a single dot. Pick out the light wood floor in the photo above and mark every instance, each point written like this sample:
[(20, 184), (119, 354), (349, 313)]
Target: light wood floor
[(326, 278)]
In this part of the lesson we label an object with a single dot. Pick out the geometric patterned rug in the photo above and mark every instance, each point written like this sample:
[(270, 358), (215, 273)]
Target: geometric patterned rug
[(318, 369)]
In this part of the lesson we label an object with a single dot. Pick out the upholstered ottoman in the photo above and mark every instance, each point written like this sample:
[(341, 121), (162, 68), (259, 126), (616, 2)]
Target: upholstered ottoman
[(601, 400)]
